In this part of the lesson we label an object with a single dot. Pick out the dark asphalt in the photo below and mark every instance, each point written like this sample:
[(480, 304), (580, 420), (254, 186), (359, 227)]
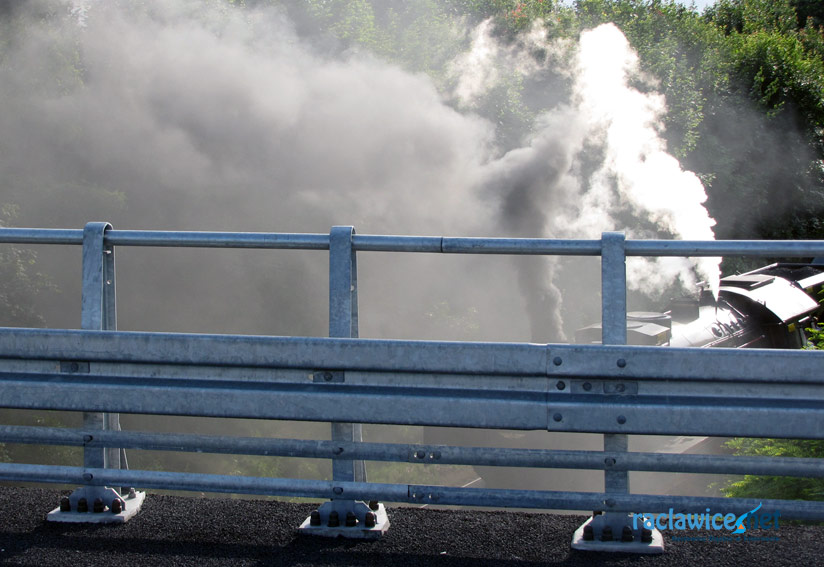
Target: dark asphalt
[(172, 530)]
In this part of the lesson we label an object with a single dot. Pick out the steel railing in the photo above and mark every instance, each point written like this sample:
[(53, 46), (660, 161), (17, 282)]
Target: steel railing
[(611, 389)]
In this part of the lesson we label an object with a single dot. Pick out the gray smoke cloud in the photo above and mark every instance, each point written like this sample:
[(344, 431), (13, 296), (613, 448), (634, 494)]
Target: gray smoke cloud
[(197, 115), (193, 115)]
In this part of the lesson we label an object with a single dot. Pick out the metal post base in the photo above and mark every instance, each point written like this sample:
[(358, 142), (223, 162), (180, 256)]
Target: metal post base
[(613, 532), (347, 518), (97, 505)]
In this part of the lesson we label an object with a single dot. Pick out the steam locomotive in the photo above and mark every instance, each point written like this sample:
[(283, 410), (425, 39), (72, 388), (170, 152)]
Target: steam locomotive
[(766, 308)]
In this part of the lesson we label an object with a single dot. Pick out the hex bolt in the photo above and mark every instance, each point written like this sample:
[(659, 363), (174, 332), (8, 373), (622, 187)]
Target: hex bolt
[(87, 476), (420, 454), (65, 504), (560, 385), (610, 502), (622, 420), (620, 388), (132, 493), (557, 417), (626, 534), (337, 451), (338, 490), (327, 376), (82, 505), (606, 533), (74, 367), (621, 363), (609, 461), (351, 520), (646, 535), (369, 520), (334, 519), (589, 533), (435, 455), (587, 386), (374, 505), (98, 506), (557, 361), (87, 439), (117, 506), (314, 518)]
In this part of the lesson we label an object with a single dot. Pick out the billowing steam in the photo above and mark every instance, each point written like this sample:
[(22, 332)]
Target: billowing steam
[(599, 163), (196, 115)]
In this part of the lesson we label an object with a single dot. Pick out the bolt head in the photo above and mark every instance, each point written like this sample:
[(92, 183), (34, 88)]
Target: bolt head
[(334, 519), (589, 533), (561, 385), (622, 420), (369, 520), (314, 518), (98, 505)]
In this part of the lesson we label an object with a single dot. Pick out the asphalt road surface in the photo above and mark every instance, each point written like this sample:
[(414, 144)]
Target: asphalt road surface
[(172, 530)]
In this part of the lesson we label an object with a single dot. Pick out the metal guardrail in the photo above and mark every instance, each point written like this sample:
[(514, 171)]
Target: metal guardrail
[(612, 389)]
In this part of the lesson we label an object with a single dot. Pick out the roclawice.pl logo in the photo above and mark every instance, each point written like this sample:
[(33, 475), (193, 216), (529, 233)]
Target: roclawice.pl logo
[(729, 527)]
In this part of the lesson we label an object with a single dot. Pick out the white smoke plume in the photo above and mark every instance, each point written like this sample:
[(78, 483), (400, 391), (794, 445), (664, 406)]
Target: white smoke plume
[(599, 163), (196, 115)]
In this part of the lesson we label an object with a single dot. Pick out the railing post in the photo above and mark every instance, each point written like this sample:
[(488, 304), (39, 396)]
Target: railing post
[(613, 531), (614, 332), (343, 323), (342, 517), (94, 503)]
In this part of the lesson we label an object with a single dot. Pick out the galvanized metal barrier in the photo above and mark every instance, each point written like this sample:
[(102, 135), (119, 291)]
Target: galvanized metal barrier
[(611, 389)]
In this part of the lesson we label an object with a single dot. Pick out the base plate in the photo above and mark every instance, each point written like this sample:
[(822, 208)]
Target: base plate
[(355, 532), (131, 506)]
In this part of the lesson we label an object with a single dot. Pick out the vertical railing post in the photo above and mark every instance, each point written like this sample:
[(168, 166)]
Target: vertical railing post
[(343, 323), (342, 516), (94, 502), (99, 313), (615, 531), (614, 332)]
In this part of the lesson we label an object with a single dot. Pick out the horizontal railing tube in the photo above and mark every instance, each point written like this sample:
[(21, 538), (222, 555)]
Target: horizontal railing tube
[(410, 493), (431, 244), (416, 453)]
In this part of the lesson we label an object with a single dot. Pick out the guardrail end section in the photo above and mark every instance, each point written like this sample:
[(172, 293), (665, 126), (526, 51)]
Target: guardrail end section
[(614, 532), (351, 519), (97, 505)]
